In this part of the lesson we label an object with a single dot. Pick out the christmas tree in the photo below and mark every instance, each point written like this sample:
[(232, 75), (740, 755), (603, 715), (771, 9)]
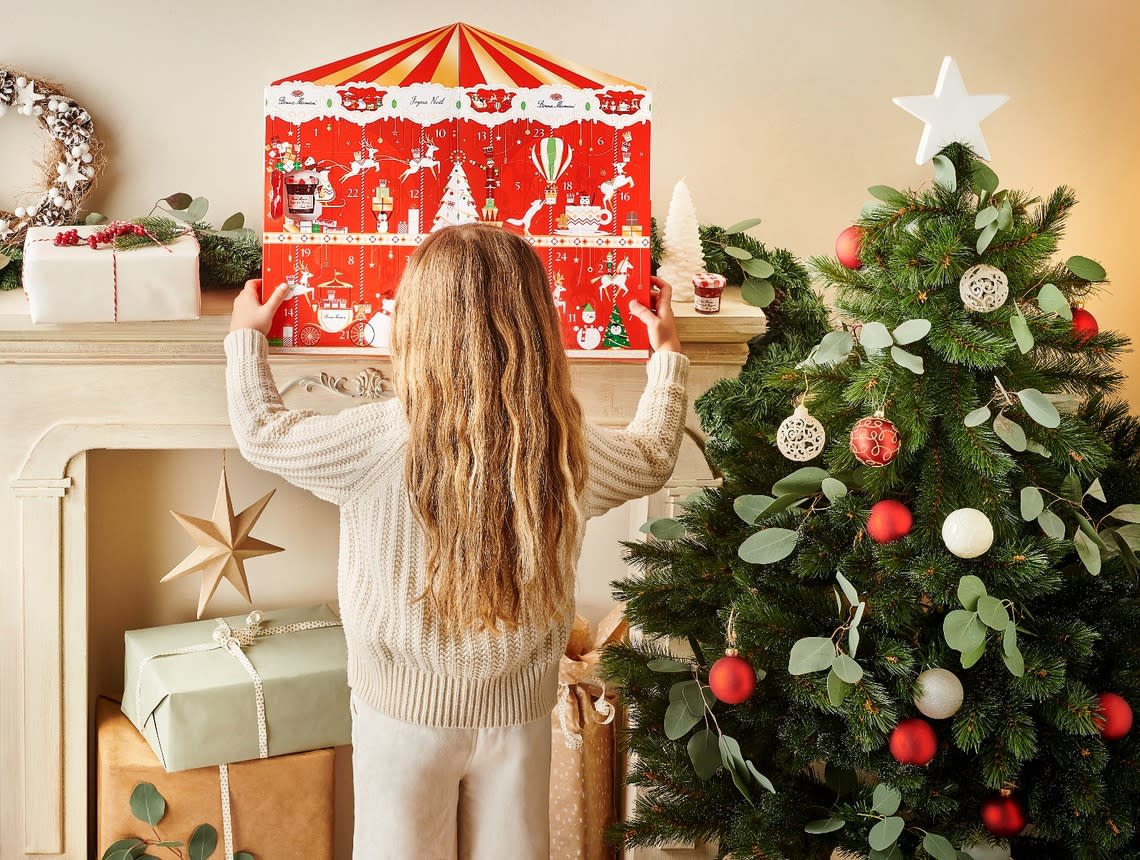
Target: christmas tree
[(616, 335), (457, 206), (682, 255), (932, 618)]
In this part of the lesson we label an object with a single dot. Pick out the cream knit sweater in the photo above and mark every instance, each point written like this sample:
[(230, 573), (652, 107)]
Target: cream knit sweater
[(398, 660)]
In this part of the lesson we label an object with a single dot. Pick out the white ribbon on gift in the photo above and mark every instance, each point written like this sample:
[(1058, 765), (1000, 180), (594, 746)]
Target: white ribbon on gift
[(234, 641), (602, 705)]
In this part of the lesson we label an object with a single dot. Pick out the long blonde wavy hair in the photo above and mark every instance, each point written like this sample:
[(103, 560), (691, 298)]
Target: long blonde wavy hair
[(496, 455)]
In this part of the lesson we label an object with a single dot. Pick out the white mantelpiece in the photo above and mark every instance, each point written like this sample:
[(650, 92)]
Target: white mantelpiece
[(71, 389)]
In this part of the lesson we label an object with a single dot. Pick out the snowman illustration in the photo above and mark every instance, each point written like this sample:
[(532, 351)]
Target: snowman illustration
[(589, 335)]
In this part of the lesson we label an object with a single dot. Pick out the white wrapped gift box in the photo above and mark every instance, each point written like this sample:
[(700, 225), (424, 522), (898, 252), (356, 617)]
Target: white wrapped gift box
[(67, 284)]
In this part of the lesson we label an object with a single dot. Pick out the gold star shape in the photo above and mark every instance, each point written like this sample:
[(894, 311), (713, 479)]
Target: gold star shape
[(224, 544)]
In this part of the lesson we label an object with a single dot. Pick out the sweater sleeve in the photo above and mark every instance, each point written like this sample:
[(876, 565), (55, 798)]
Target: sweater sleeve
[(328, 455), (634, 462)]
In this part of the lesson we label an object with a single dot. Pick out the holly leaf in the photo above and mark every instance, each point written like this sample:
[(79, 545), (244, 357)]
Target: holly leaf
[(1038, 407), (1086, 269), (678, 720), (1126, 513), (1032, 503), (939, 847), (202, 842), (234, 222), (970, 590), (737, 253), (1051, 524), (886, 799), (1021, 333), (1010, 432), (978, 416), (741, 226), (847, 669), (811, 654), (911, 330), (824, 825), (147, 804), (962, 630), (805, 481), (667, 664), (835, 490), (704, 753), (874, 337), (768, 546), (1096, 491), (910, 361), (944, 173), (758, 293), (758, 268), (993, 613), (888, 195), (1053, 301), (749, 508), (1088, 551), (986, 236), (837, 689), (885, 833)]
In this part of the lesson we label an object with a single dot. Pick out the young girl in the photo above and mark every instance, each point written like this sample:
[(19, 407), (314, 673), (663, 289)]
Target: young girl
[(462, 506)]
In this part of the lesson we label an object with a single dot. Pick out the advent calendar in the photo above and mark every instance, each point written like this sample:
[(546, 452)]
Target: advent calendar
[(366, 156)]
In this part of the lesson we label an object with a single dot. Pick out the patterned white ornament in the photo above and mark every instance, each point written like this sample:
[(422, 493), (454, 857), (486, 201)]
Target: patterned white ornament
[(800, 437), (983, 288), (941, 694)]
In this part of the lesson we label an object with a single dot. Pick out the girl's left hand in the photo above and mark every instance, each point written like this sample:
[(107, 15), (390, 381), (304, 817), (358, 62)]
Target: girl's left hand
[(249, 312)]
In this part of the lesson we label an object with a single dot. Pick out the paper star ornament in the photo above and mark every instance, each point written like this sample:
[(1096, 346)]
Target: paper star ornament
[(951, 114), (224, 544)]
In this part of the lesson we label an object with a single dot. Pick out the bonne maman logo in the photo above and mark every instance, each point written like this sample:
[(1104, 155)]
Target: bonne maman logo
[(297, 98), (555, 101)]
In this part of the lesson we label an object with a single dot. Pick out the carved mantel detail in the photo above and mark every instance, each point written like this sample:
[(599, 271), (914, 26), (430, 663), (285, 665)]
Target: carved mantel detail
[(369, 384)]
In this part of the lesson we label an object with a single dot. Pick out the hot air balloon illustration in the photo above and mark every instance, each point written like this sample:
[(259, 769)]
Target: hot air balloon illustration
[(551, 157)]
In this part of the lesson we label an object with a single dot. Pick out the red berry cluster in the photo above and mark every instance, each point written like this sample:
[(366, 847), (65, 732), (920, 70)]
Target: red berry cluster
[(67, 237), (105, 236)]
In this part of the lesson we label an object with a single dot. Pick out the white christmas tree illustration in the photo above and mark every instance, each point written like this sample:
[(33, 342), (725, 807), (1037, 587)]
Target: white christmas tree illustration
[(681, 256), (457, 205)]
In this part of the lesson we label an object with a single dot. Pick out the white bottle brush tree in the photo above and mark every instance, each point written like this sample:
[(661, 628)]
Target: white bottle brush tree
[(682, 256)]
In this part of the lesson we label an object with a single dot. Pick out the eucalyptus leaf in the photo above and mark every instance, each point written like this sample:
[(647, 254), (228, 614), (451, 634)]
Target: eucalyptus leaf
[(758, 293), (1126, 513), (1038, 448), (1010, 432), (849, 590), (986, 236), (678, 720), (704, 753), (737, 253), (885, 833), (1087, 269), (147, 804), (124, 849), (824, 825), (1051, 524), (874, 337), (748, 508), (993, 612), (1038, 407), (909, 360), (962, 630), (677, 691), (834, 489), (888, 195), (978, 416), (1088, 551), (1032, 503), (761, 780), (741, 226), (1009, 639), (781, 504), (733, 761), (1014, 661), (196, 211), (1071, 487), (832, 349), (666, 664), (768, 546), (1005, 215), (985, 216), (666, 528), (243, 855), (886, 799), (983, 177), (811, 654), (696, 697), (758, 268), (970, 590), (858, 616), (1131, 534), (837, 689), (806, 480), (179, 200), (1053, 301), (911, 330), (202, 842), (1096, 491), (1021, 333), (973, 655), (1085, 525), (847, 669), (94, 218), (1126, 551), (853, 639), (944, 173), (939, 847), (892, 853), (234, 222)]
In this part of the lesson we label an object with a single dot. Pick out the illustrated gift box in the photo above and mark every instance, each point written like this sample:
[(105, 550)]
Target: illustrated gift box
[(189, 691), (366, 156), (281, 808)]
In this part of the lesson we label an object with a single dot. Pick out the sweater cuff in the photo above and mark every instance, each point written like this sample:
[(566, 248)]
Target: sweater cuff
[(245, 342), (668, 368)]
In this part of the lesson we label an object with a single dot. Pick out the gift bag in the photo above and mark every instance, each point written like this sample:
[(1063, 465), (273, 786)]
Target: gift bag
[(584, 775)]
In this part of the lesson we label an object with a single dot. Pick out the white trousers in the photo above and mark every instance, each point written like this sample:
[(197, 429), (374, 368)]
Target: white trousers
[(426, 793)]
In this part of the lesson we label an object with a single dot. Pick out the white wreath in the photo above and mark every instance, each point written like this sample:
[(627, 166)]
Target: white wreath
[(76, 153)]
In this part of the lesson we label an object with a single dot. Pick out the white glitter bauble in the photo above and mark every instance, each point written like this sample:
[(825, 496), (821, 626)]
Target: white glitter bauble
[(940, 694), (983, 288), (800, 437), (968, 533)]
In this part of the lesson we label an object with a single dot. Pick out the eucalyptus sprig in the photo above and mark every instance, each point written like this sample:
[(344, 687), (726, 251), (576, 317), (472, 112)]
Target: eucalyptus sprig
[(149, 807), (966, 630), (1093, 542), (1034, 403), (773, 544), (827, 653)]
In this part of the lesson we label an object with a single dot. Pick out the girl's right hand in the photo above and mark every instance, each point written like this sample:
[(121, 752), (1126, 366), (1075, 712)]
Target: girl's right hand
[(661, 326)]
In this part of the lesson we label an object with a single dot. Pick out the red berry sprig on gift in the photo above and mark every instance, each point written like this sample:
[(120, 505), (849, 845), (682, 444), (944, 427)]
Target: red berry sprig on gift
[(105, 236), (67, 237)]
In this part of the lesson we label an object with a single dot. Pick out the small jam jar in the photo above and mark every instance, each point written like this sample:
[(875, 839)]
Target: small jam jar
[(707, 288)]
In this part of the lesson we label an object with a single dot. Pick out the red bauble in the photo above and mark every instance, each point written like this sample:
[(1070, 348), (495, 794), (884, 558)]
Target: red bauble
[(1084, 325), (732, 679), (888, 521), (1004, 815), (847, 247), (1114, 718), (874, 441), (913, 742)]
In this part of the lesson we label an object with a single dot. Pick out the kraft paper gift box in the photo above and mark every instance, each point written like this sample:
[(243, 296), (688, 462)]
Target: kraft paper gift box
[(200, 707), (76, 283), (281, 808), (584, 777)]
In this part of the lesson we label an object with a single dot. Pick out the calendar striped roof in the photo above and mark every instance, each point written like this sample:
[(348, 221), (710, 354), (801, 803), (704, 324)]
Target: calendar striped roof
[(458, 55)]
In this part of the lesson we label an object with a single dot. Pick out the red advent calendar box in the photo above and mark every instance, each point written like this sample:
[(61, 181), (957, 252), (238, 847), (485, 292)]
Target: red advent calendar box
[(366, 156)]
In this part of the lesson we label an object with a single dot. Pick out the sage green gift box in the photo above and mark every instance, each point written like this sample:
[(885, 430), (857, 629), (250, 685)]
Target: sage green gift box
[(200, 708)]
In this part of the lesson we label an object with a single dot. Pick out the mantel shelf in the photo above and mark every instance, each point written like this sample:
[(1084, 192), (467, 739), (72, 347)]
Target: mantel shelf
[(704, 337)]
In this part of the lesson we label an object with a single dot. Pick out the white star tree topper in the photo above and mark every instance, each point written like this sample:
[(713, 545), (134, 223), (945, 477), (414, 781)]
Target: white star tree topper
[(951, 114)]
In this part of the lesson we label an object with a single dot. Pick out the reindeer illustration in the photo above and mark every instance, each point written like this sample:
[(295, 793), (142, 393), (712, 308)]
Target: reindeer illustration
[(525, 220), (362, 163), (427, 161), (299, 284), (612, 186), (616, 281)]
